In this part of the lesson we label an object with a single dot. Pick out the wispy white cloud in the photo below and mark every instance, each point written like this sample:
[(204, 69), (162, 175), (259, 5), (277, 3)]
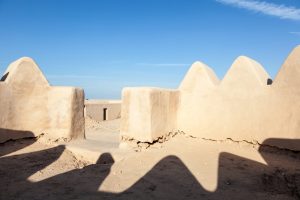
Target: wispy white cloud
[(72, 76), (295, 33), (163, 64), (282, 11)]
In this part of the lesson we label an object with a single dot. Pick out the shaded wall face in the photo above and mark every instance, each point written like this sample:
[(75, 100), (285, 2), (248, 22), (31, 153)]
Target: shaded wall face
[(103, 111)]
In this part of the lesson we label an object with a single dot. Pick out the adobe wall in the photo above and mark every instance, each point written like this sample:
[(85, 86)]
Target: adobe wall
[(94, 109), (243, 106), (148, 113), (28, 104)]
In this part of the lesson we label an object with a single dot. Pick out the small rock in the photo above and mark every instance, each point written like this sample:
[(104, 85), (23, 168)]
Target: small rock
[(228, 182)]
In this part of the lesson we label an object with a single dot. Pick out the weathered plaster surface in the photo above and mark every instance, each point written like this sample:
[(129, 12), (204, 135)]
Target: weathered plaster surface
[(242, 106), (94, 109), (28, 104), (147, 113)]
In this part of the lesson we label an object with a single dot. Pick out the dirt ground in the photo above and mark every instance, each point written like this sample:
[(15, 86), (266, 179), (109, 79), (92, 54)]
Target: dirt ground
[(181, 168)]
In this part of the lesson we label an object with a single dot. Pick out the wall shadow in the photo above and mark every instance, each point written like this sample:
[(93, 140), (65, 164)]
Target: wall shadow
[(7, 137), (238, 178)]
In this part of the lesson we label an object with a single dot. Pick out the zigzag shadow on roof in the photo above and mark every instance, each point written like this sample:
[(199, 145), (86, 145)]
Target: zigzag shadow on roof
[(238, 178)]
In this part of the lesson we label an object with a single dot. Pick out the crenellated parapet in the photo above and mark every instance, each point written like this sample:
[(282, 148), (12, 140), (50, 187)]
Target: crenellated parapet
[(30, 106), (245, 105)]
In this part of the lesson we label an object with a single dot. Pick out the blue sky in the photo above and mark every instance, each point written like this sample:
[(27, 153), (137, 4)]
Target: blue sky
[(105, 45)]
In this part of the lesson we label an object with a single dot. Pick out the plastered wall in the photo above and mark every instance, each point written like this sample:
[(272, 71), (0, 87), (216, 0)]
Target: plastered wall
[(94, 109), (245, 105), (30, 106), (148, 113)]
